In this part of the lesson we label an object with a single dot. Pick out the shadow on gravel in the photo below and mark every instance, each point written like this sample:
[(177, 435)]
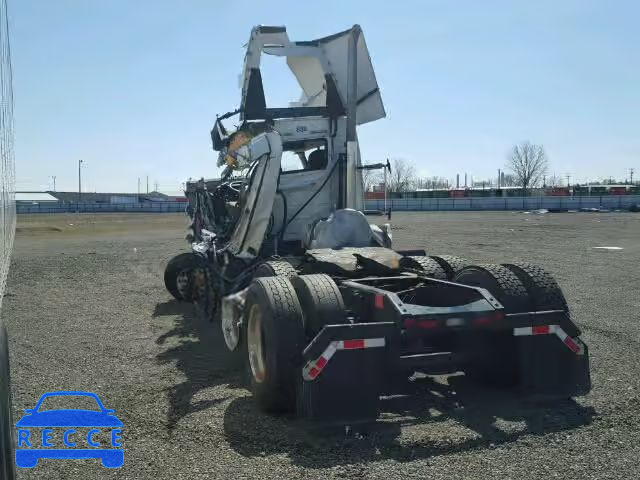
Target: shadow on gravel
[(435, 419), (200, 354)]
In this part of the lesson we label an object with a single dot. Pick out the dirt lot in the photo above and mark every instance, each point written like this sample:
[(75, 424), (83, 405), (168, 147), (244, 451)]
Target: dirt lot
[(86, 310)]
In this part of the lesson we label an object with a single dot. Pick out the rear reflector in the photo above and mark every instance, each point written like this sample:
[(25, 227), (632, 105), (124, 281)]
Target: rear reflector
[(313, 368), (573, 344), (352, 344), (321, 362), (541, 330)]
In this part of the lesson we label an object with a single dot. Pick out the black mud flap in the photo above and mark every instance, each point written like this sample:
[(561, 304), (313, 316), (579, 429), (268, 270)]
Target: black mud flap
[(549, 369), (344, 371)]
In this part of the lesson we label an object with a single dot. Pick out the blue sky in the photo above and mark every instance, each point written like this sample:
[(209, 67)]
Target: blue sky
[(133, 87)]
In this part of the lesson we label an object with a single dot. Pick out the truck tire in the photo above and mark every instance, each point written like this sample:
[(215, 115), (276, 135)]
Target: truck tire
[(7, 469), (320, 300), (275, 340), (273, 268), (493, 354), (544, 292), (451, 264), (501, 282), (177, 265), (427, 265)]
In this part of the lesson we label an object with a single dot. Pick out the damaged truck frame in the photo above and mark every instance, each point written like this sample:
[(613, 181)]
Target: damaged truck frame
[(324, 312)]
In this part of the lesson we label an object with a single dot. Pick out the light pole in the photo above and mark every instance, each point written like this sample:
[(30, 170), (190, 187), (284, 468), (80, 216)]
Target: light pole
[(54, 182), (79, 180)]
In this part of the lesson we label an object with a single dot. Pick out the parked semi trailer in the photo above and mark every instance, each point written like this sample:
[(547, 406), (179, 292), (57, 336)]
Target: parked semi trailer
[(325, 313)]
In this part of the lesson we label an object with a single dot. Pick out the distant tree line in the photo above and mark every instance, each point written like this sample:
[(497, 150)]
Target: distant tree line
[(526, 167)]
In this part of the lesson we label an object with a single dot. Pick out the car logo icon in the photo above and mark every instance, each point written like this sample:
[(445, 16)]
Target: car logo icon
[(28, 450)]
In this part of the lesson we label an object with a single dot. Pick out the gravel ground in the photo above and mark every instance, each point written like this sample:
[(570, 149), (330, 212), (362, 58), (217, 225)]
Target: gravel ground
[(87, 310)]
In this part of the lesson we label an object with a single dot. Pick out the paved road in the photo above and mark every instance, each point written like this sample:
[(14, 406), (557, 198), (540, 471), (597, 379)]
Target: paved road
[(86, 310)]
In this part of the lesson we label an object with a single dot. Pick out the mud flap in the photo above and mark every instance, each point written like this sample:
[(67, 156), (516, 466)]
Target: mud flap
[(343, 374), (549, 369)]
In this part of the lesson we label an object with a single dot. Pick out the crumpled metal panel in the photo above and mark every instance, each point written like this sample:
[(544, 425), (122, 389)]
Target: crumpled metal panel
[(347, 258), (248, 234)]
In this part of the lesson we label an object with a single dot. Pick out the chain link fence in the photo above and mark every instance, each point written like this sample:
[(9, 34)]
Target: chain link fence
[(613, 202), (7, 173), (59, 207)]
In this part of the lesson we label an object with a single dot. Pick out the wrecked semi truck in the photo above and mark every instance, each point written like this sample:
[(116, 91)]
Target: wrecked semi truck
[(324, 312)]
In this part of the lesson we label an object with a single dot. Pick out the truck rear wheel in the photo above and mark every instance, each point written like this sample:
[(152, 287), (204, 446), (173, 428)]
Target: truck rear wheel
[(6, 415), (176, 274), (493, 354), (273, 268), (451, 264), (275, 339), (320, 300), (427, 265), (544, 292)]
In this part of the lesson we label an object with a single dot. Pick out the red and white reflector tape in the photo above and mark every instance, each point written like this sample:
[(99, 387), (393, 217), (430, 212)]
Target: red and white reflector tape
[(572, 344), (313, 367)]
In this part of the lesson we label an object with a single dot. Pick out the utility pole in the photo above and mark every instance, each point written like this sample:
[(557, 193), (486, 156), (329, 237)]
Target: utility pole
[(155, 186), (147, 183), (568, 180), (79, 180), (138, 185), (631, 171), (544, 181), (54, 182)]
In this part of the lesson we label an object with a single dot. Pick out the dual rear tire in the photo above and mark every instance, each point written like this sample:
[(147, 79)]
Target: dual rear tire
[(519, 288), (281, 315)]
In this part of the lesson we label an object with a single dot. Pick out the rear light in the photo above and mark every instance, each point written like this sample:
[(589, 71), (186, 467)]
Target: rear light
[(482, 321), (488, 319), (410, 323), (427, 323), (420, 323), (379, 301)]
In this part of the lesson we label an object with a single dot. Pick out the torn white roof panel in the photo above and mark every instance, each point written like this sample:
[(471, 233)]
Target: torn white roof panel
[(311, 60)]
